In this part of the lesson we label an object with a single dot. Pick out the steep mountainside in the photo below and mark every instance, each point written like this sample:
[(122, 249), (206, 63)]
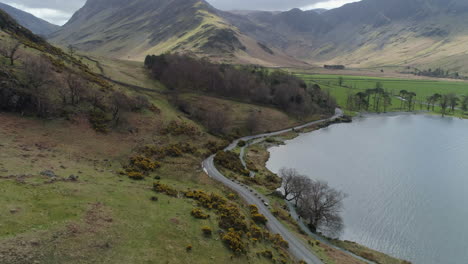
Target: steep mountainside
[(368, 33), (36, 25), (134, 29)]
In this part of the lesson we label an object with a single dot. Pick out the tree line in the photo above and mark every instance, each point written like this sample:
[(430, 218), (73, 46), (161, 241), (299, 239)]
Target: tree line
[(437, 73), (376, 99), (447, 102), (318, 203), (252, 84)]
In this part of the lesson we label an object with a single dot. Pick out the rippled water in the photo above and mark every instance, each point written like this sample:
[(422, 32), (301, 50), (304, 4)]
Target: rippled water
[(406, 177)]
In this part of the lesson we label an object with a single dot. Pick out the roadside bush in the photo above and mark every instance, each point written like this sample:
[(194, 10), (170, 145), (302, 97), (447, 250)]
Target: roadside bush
[(230, 161), (241, 143), (278, 240), (256, 216), (259, 219), (198, 213), (214, 146)]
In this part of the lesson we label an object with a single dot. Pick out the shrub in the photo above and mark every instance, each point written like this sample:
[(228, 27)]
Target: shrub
[(256, 216), (144, 164), (163, 188), (207, 231), (233, 240), (198, 213), (231, 161), (256, 232), (267, 254), (279, 241), (259, 219), (214, 146), (241, 143), (154, 199), (99, 121), (180, 128), (135, 175)]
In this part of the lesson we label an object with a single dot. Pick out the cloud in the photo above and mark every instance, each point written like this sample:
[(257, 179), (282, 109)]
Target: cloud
[(59, 11), (330, 4), (54, 16)]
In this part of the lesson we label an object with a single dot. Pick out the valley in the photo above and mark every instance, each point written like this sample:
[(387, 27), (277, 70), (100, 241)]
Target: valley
[(159, 131)]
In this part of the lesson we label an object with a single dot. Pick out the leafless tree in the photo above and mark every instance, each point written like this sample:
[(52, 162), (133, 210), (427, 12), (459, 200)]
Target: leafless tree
[(322, 206), (294, 184), (10, 50), (76, 86), (71, 50), (288, 175), (38, 75), (119, 103)]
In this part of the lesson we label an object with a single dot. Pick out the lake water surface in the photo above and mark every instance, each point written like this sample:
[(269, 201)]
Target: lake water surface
[(406, 177)]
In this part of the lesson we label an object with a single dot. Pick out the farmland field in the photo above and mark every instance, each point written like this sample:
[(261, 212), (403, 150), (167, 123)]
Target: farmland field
[(355, 84)]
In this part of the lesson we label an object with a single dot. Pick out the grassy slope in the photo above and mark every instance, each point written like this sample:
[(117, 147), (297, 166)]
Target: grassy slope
[(54, 221), (355, 84)]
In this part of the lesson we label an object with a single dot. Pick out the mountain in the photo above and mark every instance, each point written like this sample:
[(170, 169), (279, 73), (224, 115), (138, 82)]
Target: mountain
[(421, 33), (133, 29), (36, 25)]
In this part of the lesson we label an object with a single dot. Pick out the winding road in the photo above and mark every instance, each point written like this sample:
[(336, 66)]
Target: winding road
[(296, 247)]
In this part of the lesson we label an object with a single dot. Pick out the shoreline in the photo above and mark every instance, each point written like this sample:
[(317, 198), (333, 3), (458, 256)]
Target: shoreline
[(283, 139)]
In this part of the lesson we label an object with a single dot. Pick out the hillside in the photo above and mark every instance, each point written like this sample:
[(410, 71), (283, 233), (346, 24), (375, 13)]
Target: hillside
[(98, 166), (36, 25), (133, 29), (370, 33)]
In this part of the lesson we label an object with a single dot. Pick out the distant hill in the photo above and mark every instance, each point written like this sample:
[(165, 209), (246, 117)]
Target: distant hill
[(36, 25), (425, 33), (133, 29)]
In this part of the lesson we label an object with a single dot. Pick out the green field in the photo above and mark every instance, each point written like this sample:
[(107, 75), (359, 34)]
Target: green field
[(355, 84)]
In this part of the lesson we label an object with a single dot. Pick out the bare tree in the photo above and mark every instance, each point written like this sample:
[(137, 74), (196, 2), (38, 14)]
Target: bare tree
[(322, 206), (120, 102), (10, 50), (294, 184), (71, 50), (288, 175), (76, 86), (38, 75)]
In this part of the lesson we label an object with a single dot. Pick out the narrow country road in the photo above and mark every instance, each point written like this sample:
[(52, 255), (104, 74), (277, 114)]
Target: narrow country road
[(296, 247)]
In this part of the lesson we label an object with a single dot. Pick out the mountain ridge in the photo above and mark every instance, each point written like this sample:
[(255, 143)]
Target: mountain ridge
[(132, 30), (27, 20)]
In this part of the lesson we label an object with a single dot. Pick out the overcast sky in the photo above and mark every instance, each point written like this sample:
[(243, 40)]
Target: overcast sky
[(59, 11)]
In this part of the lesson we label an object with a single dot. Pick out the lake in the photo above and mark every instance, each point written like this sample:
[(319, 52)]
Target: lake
[(406, 177)]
